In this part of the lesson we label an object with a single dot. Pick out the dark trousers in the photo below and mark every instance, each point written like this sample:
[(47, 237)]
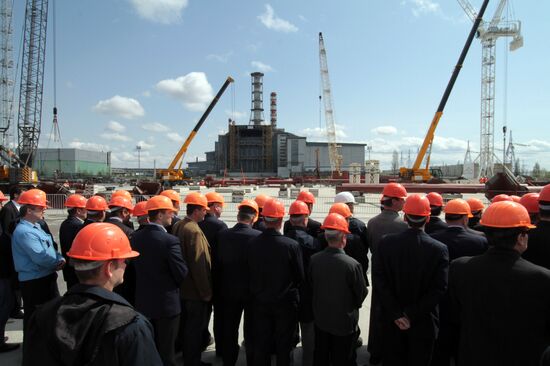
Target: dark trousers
[(166, 332), (376, 344), (194, 320), (334, 350), (274, 324), (231, 311), (446, 345), (37, 292), (6, 305), (406, 348), (218, 327)]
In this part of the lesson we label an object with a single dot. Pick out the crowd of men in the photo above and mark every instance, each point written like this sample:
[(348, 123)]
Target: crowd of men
[(472, 289)]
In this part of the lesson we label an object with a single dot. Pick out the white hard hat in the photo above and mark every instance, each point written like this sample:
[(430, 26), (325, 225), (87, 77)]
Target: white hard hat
[(344, 197)]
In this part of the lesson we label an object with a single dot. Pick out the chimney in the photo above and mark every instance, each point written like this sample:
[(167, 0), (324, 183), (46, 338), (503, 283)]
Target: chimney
[(257, 110), (274, 110)]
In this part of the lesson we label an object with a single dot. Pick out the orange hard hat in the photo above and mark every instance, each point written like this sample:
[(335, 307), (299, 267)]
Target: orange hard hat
[(515, 198), (306, 196), (274, 208), (458, 207), (173, 195), (215, 197), (122, 193), (417, 205), (475, 204), (34, 197), (531, 202), (195, 198), (506, 214), (140, 209), (121, 201), (96, 203), (335, 221), (2, 197), (100, 242), (261, 199), (544, 194), (159, 202), (76, 201), (249, 203), (500, 198), (340, 208), (394, 190), (298, 208), (435, 199)]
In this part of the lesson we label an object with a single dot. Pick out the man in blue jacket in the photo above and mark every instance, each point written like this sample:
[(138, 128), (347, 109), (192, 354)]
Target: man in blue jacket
[(160, 270)]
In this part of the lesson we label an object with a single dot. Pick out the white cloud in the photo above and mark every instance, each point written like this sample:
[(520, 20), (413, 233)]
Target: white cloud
[(384, 130), (320, 134), (303, 18), (260, 66), (145, 145), (236, 114), (116, 126), (128, 108), (115, 136), (193, 90), (421, 7), (77, 144), (223, 58), (271, 21), (155, 127), (160, 11), (174, 136), (146, 94)]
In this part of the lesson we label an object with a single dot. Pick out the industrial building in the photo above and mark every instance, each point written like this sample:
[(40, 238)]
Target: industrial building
[(262, 149), (72, 163)]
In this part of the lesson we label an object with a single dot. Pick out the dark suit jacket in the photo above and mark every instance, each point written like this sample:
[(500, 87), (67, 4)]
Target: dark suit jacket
[(231, 279), (260, 224), (538, 247), (410, 274), (121, 226), (127, 288), (501, 303), (210, 226), (435, 224), (67, 232), (461, 242), (313, 227), (160, 270), (8, 216)]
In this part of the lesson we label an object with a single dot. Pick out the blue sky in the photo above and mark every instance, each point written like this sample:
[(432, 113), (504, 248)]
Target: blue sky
[(141, 72)]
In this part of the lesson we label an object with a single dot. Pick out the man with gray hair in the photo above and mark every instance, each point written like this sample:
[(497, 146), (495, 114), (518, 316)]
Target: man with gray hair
[(338, 289)]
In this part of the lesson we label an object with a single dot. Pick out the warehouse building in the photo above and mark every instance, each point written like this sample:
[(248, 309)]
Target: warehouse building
[(72, 163)]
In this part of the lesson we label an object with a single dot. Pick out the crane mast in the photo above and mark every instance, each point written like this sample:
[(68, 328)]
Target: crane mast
[(334, 157), (6, 69), (32, 79)]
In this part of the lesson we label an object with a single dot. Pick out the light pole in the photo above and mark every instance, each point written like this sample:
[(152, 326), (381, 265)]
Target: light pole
[(138, 148)]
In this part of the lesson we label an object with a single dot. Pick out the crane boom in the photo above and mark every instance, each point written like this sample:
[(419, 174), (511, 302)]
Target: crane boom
[(416, 171), (334, 157)]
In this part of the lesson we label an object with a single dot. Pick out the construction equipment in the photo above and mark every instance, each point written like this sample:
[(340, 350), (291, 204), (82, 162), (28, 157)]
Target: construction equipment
[(334, 156), (416, 173), (173, 175), (488, 33)]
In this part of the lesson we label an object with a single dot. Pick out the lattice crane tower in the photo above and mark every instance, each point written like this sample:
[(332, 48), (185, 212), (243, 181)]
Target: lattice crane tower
[(6, 69)]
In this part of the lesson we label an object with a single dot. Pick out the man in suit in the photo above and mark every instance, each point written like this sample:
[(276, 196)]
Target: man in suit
[(460, 242), (386, 222), (276, 273), (96, 208), (500, 301), (436, 206), (538, 251), (76, 209), (174, 196), (356, 226), (233, 282), (313, 226), (196, 288), (160, 270), (410, 274), (338, 291), (260, 199)]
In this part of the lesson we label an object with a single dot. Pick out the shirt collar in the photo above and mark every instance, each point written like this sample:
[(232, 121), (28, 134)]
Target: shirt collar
[(159, 225), (116, 218), (25, 222), (17, 205)]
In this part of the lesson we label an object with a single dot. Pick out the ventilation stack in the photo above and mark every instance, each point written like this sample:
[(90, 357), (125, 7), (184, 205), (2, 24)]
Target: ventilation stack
[(274, 110), (257, 110)]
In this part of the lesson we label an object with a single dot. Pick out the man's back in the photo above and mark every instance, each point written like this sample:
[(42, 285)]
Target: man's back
[(461, 242), (67, 232), (210, 226), (434, 225), (387, 222), (501, 303), (538, 249)]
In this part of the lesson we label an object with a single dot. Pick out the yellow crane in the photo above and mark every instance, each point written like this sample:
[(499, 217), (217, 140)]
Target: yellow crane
[(175, 175)]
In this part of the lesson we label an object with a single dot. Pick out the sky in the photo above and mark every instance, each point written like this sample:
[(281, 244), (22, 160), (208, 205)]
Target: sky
[(141, 72)]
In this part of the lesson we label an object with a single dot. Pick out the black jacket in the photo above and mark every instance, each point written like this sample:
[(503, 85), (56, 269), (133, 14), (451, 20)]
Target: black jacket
[(160, 270), (122, 226), (435, 224), (231, 279), (358, 228), (210, 226), (410, 274), (128, 288), (309, 245), (501, 303), (260, 224), (276, 268), (89, 326), (8, 216), (175, 219), (313, 227), (538, 247), (461, 242), (67, 232)]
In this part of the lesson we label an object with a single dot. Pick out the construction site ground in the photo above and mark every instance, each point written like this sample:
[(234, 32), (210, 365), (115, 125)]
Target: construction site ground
[(363, 211)]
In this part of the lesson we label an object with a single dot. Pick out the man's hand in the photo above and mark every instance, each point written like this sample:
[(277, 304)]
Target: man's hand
[(60, 265), (403, 323)]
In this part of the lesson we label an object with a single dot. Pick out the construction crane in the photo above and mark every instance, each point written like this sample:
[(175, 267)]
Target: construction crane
[(334, 156), (416, 173), (6, 69), (488, 33), (173, 175)]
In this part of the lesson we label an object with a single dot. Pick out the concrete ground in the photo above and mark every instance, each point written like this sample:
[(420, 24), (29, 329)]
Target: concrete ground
[(363, 211)]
